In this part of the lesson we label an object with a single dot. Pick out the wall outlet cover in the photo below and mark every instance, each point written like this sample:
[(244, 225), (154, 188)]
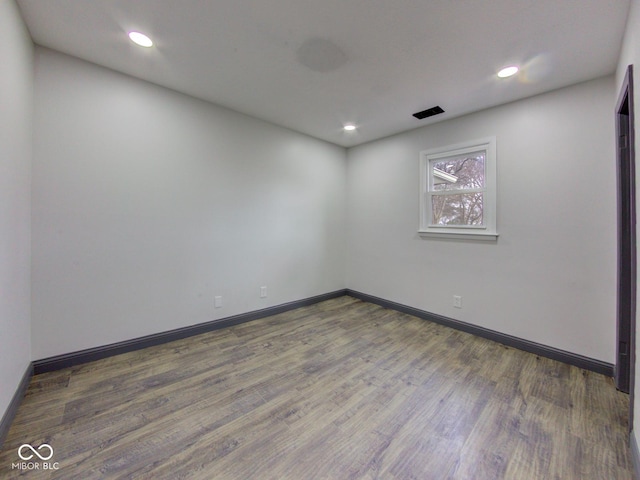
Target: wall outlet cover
[(457, 301)]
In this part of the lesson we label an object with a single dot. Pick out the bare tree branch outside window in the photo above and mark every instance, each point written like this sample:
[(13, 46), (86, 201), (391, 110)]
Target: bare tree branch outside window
[(458, 189)]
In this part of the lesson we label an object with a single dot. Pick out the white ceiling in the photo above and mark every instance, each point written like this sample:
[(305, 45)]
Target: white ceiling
[(313, 65)]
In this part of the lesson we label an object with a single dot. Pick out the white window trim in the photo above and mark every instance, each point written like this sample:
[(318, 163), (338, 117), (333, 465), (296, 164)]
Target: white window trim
[(485, 232)]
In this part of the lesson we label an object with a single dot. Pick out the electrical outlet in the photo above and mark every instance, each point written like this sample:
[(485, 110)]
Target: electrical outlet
[(263, 292), (217, 302), (457, 301)]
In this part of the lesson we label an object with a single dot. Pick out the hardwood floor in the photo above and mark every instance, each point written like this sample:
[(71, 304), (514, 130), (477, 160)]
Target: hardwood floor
[(338, 390)]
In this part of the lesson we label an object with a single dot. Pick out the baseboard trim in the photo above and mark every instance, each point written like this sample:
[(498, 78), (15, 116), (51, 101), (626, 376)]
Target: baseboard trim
[(67, 360), (508, 340), (12, 409), (72, 359), (635, 454)]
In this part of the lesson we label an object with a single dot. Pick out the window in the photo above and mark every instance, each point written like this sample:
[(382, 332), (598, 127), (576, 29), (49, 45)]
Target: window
[(458, 191)]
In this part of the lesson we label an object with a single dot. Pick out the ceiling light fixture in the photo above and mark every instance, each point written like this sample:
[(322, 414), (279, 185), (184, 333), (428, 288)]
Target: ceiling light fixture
[(349, 128), (140, 39), (508, 71)]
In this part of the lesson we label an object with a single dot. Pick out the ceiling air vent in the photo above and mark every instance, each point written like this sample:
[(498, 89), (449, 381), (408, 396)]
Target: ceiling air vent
[(429, 112)]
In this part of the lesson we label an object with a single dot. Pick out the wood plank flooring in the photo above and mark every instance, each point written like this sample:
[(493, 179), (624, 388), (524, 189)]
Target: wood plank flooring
[(339, 390)]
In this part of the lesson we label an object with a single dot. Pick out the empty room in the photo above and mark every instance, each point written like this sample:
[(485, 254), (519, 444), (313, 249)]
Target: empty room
[(354, 239)]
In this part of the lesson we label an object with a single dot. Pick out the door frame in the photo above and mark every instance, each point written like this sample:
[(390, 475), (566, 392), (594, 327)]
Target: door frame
[(626, 256)]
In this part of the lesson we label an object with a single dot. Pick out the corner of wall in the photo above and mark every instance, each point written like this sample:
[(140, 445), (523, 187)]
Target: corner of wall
[(16, 147)]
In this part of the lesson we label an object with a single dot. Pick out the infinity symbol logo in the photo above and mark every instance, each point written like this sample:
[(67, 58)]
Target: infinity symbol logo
[(29, 456)]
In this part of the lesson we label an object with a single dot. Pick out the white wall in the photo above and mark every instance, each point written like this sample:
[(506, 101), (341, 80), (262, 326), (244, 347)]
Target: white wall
[(550, 277), (16, 116), (147, 203), (630, 55)]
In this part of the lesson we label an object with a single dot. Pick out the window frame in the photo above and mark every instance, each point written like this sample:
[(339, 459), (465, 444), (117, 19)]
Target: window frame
[(486, 231)]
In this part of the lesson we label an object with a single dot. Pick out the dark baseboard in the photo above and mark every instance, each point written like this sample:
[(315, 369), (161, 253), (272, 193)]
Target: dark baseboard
[(635, 454), (515, 342), (67, 360), (10, 413), (76, 358)]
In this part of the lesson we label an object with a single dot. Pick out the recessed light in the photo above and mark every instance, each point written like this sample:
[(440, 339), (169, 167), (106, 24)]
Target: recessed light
[(349, 128), (508, 71), (140, 39)]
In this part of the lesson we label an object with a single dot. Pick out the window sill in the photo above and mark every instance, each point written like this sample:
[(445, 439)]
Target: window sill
[(484, 236)]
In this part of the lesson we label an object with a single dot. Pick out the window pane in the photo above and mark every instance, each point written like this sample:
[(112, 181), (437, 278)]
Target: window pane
[(459, 172), (460, 209)]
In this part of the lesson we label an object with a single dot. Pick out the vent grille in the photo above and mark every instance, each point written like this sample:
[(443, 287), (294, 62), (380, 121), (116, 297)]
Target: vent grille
[(430, 112)]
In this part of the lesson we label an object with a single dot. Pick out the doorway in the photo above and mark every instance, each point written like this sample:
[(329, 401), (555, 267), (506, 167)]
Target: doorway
[(626, 296)]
